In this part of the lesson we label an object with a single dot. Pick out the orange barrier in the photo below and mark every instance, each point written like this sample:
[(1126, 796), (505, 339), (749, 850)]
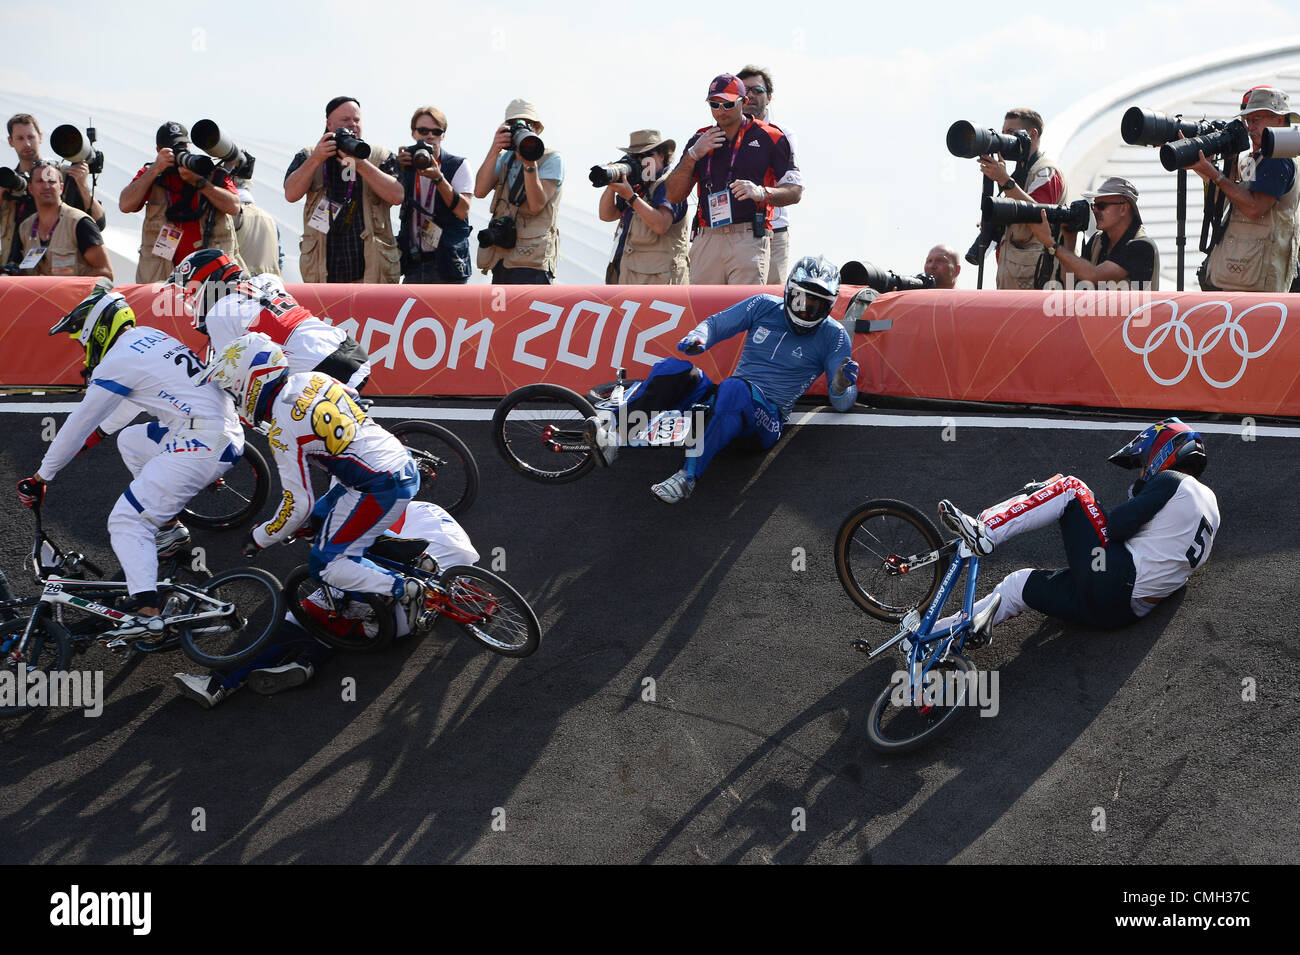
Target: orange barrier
[(1222, 352)]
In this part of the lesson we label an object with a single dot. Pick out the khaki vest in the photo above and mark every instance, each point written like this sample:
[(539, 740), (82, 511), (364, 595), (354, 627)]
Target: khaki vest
[(154, 268), (658, 259), (61, 256), (1019, 252), (1094, 256), (258, 241), (538, 244), (1258, 255), (8, 211), (383, 258)]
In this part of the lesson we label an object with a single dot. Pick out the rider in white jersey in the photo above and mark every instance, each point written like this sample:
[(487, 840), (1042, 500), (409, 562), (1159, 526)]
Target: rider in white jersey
[(195, 439)]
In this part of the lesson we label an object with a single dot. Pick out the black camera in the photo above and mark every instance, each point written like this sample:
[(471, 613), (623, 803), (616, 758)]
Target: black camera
[(196, 163), (626, 170), (1146, 127), (500, 232), (14, 181), (882, 280), (73, 146), (421, 155), (524, 141), (967, 142), (1229, 139), (350, 145), (208, 137), (1283, 143), (1076, 217)]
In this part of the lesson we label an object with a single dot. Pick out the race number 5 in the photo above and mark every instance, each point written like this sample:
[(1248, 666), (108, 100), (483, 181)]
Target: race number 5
[(1197, 550)]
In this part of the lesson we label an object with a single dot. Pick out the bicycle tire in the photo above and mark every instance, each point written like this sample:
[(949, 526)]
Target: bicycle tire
[(49, 651), (448, 472), (369, 633), (233, 499), (523, 418), (874, 532), (505, 623), (259, 606), (900, 729)]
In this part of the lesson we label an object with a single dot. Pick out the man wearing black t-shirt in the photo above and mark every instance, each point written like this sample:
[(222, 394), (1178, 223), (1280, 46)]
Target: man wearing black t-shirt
[(1119, 254)]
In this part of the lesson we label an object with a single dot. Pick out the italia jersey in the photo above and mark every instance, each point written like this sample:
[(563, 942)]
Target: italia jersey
[(1169, 528), (315, 418), (262, 305), (781, 364), (144, 370)]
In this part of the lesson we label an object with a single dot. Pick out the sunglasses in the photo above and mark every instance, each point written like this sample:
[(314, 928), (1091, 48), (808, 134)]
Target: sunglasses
[(1098, 206), (428, 131), (729, 105), (757, 90)]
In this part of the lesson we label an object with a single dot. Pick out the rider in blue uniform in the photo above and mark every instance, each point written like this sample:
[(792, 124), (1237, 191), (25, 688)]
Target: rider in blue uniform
[(788, 345)]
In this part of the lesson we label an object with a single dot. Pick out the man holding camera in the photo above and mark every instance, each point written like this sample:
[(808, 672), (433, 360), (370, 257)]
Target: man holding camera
[(184, 209), (25, 137), (944, 265), (347, 233), (742, 169), (1119, 254), (57, 239), (434, 236), (1036, 179), (521, 245), (1256, 251), (652, 247), (758, 93)]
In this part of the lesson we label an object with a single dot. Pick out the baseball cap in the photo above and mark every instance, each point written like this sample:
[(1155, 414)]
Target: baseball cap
[(1268, 98), (726, 86), (1115, 186), (169, 133)]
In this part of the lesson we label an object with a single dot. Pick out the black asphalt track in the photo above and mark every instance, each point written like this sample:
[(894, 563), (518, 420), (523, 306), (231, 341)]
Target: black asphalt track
[(748, 746)]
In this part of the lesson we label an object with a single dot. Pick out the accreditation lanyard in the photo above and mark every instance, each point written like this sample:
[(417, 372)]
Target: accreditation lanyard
[(36, 225), (735, 151)]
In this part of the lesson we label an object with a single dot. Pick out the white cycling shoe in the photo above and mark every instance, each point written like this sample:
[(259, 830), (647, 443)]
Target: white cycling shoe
[(675, 489), (972, 531)]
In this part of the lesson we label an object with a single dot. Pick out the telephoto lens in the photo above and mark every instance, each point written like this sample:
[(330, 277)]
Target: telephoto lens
[(882, 280), (1076, 217), (15, 182), (524, 141), (350, 145), (1228, 140), (199, 165), (1283, 143), (967, 142), (618, 171)]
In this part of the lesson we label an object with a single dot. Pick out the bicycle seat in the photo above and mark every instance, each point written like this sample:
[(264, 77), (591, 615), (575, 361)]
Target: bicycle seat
[(401, 550)]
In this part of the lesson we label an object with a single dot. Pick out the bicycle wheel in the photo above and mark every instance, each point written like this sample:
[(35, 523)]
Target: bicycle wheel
[(228, 642), (234, 498), (897, 725), (538, 430), (359, 622), (448, 471), (498, 616), (876, 552), (48, 651)]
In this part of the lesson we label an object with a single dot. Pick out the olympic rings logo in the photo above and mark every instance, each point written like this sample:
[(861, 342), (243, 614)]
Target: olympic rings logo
[(1195, 350)]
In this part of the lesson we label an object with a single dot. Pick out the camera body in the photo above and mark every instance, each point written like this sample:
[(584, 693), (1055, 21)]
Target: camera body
[(421, 155), (350, 145), (13, 181), (524, 141), (1226, 139), (500, 232), (967, 142), (883, 280), (1076, 217), (74, 147)]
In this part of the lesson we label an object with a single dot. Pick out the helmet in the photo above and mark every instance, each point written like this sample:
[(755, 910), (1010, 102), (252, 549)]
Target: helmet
[(810, 291), (1168, 444), (96, 322), (246, 369), (202, 278)]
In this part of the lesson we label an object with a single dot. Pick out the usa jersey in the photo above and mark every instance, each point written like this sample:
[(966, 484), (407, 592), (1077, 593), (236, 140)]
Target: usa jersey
[(315, 418), (262, 305), (1169, 528), (145, 370)]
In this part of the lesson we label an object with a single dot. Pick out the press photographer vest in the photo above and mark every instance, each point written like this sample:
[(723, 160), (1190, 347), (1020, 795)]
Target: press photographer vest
[(8, 213), (383, 258), (659, 259), (452, 254), (1094, 256), (1258, 255), (538, 243), (61, 255), (1019, 252), (259, 244), (154, 268)]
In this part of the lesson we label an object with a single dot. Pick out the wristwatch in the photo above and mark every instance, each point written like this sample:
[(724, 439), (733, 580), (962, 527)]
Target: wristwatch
[(532, 168), (1052, 249)]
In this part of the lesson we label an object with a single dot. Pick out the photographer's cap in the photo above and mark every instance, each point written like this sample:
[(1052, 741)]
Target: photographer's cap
[(644, 140), (1268, 98), (522, 109), (727, 87), (1115, 186), (168, 133)]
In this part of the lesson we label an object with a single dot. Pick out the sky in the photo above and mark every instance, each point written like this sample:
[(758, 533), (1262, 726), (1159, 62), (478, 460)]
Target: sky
[(868, 89)]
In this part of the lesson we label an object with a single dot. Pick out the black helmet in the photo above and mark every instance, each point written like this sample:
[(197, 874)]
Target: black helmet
[(810, 293), (203, 277), (1167, 444)]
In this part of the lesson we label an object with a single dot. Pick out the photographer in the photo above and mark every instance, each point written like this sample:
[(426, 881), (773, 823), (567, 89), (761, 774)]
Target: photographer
[(759, 91), (1256, 247), (1036, 179), (347, 233), (184, 211), (944, 264), (652, 246), (434, 236), (742, 169), (521, 245), (57, 239), (1119, 253), (25, 137)]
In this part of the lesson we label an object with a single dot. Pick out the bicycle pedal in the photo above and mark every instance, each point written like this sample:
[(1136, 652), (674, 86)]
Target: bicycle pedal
[(862, 646)]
